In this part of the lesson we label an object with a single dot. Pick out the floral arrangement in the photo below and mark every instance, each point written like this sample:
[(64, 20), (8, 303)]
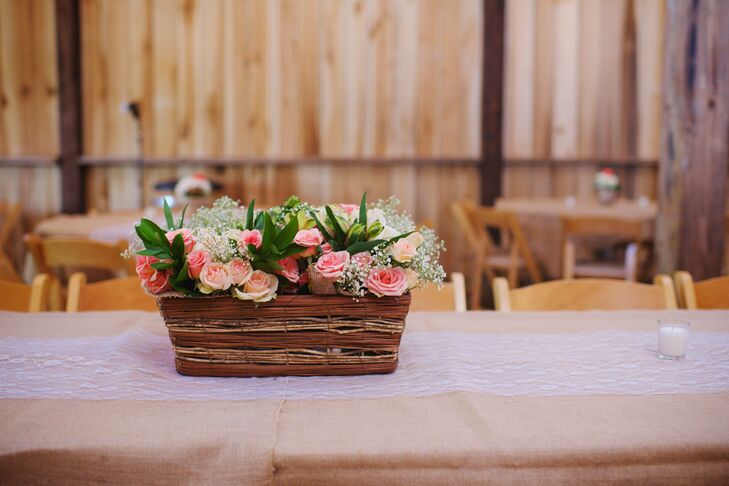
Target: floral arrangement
[(193, 186), (607, 179), (295, 248)]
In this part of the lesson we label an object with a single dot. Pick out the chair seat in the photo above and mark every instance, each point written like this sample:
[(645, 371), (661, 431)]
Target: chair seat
[(602, 270), (502, 260)]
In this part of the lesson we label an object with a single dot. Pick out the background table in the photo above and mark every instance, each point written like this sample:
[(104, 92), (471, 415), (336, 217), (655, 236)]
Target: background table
[(540, 223), (569, 397), (108, 227)]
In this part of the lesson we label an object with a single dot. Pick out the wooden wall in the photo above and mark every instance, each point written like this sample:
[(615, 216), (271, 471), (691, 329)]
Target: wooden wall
[(348, 79), (583, 81)]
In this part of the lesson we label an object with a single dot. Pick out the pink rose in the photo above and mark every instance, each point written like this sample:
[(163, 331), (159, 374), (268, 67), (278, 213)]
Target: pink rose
[(240, 271), (214, 276), (350, 208), (362, 259), (250, 237), (387, 281), (158, 282), (403, 250), (186, 238), (289, 269), (144, 266), (261, 287), (196, 260), (310, 239), (326, 248), (331, 265)]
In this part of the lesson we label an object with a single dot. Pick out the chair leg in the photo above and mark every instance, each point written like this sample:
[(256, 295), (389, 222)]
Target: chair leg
[(476, 286)]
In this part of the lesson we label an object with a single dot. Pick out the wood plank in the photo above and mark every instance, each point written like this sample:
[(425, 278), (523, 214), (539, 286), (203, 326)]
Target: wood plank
[(69, 83), (695, 152), (492, 101)]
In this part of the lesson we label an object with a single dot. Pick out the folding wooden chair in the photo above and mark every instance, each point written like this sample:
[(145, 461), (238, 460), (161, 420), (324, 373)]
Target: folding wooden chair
[(124, 293), (575, 227), (451, 297), (510, 253), (20, 297), (9, 219), (585, 294), (707, 294)]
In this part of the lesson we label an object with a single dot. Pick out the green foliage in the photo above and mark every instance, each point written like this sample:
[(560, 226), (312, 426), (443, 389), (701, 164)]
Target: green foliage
[(171, 256), (276, 244)]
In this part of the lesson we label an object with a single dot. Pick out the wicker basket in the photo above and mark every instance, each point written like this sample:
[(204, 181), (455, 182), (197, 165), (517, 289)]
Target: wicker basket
[(302, 335)]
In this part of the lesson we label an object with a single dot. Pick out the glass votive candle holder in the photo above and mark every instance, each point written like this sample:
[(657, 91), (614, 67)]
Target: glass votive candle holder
[(672, 339)]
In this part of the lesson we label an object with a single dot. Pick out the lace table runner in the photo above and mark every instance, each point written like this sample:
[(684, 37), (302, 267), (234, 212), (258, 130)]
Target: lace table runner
[(140, 365)]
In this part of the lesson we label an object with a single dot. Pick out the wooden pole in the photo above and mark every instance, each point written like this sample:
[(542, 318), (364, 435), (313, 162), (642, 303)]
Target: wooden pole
[(68, 55), (492, 100), (695, 138)]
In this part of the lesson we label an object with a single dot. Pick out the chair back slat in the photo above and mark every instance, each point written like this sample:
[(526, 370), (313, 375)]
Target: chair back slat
[(707, 294), (451, 297), (115, 294), (20, 297)]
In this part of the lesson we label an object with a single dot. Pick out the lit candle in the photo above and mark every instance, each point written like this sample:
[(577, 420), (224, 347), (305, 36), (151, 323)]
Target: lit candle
[(672, 339)]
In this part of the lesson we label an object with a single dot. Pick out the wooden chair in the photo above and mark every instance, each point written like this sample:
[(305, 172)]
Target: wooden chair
[(124, 293), (707, 294), (585, 294), (20, 297), (510, 254), (451, 297), (574, 227), (57, 256), (9, 219)]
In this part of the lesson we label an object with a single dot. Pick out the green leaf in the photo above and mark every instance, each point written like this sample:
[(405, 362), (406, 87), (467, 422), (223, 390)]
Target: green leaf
[(363, 211), (168, 215), (286, 236), (182, 275), (339, 232), (162, 265), (178, 248), (269, 231), (183, 288), (291, 250), (363, 246), (399, 237), (249, 215), (155, 252), (182, 216), (259, 221), (274, 264), (321, 228)]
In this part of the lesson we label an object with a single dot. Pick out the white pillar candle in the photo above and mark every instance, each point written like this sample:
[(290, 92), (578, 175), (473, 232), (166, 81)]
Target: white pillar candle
[(672, 339)]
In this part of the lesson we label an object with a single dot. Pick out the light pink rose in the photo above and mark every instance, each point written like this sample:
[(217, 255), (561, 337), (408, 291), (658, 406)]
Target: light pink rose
[(413, 278), (289, 269), (261, 287), (326, 248), (350, 208), (214, 276), (240, 271), (310, 239), (144, 266), (387, 281), (186, 238), (158, 282), (331, 265), (403, 250), (250, 237), (362, 259), (196, 260)]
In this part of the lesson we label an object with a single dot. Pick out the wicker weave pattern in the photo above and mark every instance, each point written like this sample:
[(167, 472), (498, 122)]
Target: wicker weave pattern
[(293, 335)]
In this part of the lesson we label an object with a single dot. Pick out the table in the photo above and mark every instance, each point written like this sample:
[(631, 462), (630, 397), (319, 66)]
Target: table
[(539, 218), (107, 227), (520, 397)]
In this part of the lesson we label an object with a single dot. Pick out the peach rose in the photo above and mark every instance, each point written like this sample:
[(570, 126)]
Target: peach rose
[(326, 248), (331, 265), (403, 250), (144, 266), (196, 260), (415, 238), (362, 259), (261, 287), (350, 209), (158, 282), (214, 276), (186, 238), (250, 237), (387, 281), (289, 269), (310, 239), (240, 271), (413, 278)]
